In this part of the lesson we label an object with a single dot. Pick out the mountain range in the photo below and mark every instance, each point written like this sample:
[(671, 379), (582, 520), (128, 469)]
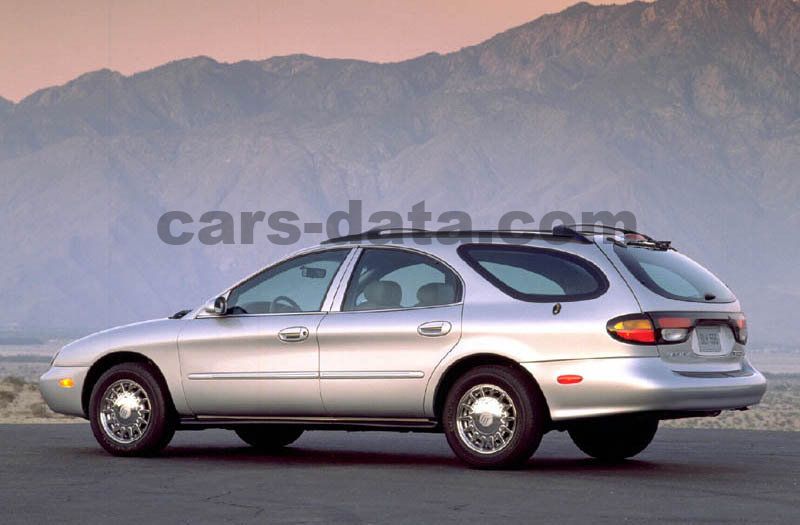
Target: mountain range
[(684, 112)]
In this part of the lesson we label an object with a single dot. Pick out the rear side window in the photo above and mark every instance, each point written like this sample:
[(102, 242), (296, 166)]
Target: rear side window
[(536, 274), (388, 279), (673, 275)]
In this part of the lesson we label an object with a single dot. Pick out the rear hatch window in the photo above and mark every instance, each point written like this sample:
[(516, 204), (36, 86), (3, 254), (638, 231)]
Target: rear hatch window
[(673, 275)]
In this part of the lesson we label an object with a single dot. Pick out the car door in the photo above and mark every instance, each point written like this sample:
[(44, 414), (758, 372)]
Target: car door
[(398, 317), (262, 358)]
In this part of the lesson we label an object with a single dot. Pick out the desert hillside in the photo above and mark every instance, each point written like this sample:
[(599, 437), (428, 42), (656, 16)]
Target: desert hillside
[(685, 112)]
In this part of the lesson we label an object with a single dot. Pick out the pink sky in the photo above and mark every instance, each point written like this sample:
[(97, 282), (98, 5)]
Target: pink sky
[(44, 43)]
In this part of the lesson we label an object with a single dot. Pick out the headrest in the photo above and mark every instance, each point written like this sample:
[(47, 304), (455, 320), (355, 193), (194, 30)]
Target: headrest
[(383, 293), (435, 293)]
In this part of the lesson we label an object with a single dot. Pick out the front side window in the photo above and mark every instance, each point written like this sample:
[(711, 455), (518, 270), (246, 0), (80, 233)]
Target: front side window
[(297, 285), (536, 274), (386, 279), (673, 275)]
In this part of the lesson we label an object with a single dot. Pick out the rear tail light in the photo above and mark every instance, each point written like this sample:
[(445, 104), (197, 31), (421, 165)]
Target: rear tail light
[(674, 335), (632, 329), (740, 328), (671, 327)]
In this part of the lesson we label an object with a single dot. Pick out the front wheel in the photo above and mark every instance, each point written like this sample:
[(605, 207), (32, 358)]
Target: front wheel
[(614, 438), (269, 438), (494, 417), (130, 412)]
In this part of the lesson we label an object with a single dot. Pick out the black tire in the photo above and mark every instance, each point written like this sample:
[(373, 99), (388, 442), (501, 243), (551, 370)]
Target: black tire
[(268, 438), (614, 438), (530, 422), (161, 424)]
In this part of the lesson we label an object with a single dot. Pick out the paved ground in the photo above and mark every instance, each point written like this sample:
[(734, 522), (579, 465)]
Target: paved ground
[(56, 474)]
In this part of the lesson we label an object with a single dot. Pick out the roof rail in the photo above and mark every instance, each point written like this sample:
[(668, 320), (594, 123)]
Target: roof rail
[(375, 233), (564, 230), (582, 228), (381, 233)]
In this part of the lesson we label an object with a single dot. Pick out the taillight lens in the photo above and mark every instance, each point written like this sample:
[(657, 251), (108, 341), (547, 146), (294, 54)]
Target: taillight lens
[(740, 328), (673, 329), (632, 329), (674, 335)]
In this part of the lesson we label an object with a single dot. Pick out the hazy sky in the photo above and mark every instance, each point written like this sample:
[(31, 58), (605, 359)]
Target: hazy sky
[(43, 43)]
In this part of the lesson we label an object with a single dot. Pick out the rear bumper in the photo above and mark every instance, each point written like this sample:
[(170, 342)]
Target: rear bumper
[(640, 384), (64, 400)]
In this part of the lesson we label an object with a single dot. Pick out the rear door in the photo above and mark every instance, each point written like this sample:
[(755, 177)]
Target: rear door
[(398, 317)]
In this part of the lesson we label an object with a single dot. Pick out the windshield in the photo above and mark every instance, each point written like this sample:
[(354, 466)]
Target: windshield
[(673, 275)]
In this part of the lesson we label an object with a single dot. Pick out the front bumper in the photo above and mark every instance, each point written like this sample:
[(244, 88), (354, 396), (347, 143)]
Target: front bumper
[(64, 400), (640, 384)]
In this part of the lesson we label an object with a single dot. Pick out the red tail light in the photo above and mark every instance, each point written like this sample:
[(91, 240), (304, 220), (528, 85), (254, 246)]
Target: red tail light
[(674, 322), (740, 328), (672, 327), (636, 329)]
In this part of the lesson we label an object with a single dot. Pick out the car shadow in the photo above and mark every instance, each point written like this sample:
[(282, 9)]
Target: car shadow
[(299, 456)]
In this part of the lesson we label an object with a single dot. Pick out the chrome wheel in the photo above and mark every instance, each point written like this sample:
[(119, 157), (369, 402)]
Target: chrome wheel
[(125, 411), (486, 419)]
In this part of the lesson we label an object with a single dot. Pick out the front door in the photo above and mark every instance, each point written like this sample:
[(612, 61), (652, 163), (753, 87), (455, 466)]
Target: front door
[(400, 315), (262, 357)]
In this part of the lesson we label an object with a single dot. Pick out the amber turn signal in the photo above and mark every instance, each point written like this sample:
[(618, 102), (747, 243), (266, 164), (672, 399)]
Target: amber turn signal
[(632, 329)]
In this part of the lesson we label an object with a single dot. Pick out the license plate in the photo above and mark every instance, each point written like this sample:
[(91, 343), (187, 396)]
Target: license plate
[(708, 340)]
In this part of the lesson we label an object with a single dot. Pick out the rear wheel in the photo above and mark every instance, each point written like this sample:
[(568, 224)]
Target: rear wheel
[(130, 412), (269, 437), (494, 417), (614, 438)]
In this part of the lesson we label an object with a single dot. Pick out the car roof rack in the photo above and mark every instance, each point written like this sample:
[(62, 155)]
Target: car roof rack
[(644, 239), (560, 231), (377, 233), (584, 228)]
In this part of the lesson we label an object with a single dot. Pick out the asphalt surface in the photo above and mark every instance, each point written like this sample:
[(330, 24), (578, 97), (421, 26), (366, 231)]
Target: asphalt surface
[(57, 474)]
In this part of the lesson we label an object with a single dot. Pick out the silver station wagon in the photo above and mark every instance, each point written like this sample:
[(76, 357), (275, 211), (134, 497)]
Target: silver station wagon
[(492, 338)]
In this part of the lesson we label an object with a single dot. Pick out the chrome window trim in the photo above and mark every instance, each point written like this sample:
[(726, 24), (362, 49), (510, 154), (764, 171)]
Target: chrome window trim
[(341, 286), (233, 316), (337, 306), (401, 309)]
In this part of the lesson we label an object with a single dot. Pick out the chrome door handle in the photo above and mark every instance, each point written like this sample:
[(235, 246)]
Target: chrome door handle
[(434, 328), (293, 334)]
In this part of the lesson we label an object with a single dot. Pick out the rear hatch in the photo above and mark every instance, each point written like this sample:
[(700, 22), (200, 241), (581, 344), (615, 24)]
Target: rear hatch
[(699, 324)]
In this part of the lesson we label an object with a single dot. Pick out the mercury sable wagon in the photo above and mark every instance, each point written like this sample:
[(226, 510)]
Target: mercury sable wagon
[(492, 338)]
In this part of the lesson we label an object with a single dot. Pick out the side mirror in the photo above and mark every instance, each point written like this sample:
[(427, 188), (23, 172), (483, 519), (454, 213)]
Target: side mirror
[(218, 306)]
